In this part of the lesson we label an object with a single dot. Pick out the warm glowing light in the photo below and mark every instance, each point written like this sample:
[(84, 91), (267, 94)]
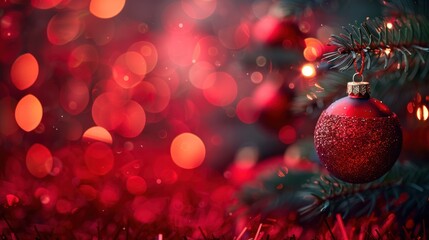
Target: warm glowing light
[(187, 151), (24, 71), (389, 25), (136, 185), (387, 51), (39, 160), (63, 28), (28, 113), (313, 50), (308, 70), (422, 113), (99, 158), (223, 90), (97, 133), (106, 8)]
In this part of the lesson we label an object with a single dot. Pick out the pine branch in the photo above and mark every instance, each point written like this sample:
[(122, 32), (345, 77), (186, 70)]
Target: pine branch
[(329, 86), (278, 191), (404, 190), (404, 45)]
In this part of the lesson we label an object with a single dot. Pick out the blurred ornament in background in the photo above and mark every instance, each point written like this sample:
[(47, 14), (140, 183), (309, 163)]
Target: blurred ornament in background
[(276, 111), (358, 138), (272, 31)]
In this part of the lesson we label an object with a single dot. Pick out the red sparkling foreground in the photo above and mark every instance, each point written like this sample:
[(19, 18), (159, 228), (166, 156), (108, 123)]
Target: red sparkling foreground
[(125, 114)]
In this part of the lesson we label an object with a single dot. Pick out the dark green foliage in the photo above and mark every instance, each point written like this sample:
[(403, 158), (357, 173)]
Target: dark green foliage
[(404, 191), (330, 85), (278, 191), (404, 46), (388, 57)]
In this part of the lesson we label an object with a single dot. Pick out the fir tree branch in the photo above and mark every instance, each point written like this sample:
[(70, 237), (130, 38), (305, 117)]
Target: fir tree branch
[(375, 45), (404, 190), (329, 86)]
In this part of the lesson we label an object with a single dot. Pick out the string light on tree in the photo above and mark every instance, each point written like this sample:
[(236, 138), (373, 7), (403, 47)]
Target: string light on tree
[(389, 25), (308, 70), (422, 113)]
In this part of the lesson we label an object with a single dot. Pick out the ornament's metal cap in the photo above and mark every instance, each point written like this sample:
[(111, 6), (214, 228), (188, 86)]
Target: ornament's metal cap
[(358, 89)]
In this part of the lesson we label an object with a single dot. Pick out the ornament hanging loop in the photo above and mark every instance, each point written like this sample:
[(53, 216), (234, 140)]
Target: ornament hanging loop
[(362, 64), (357, 74), (358, 89)]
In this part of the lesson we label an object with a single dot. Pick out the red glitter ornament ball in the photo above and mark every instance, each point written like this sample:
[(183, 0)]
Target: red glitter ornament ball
[(358, 138)]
